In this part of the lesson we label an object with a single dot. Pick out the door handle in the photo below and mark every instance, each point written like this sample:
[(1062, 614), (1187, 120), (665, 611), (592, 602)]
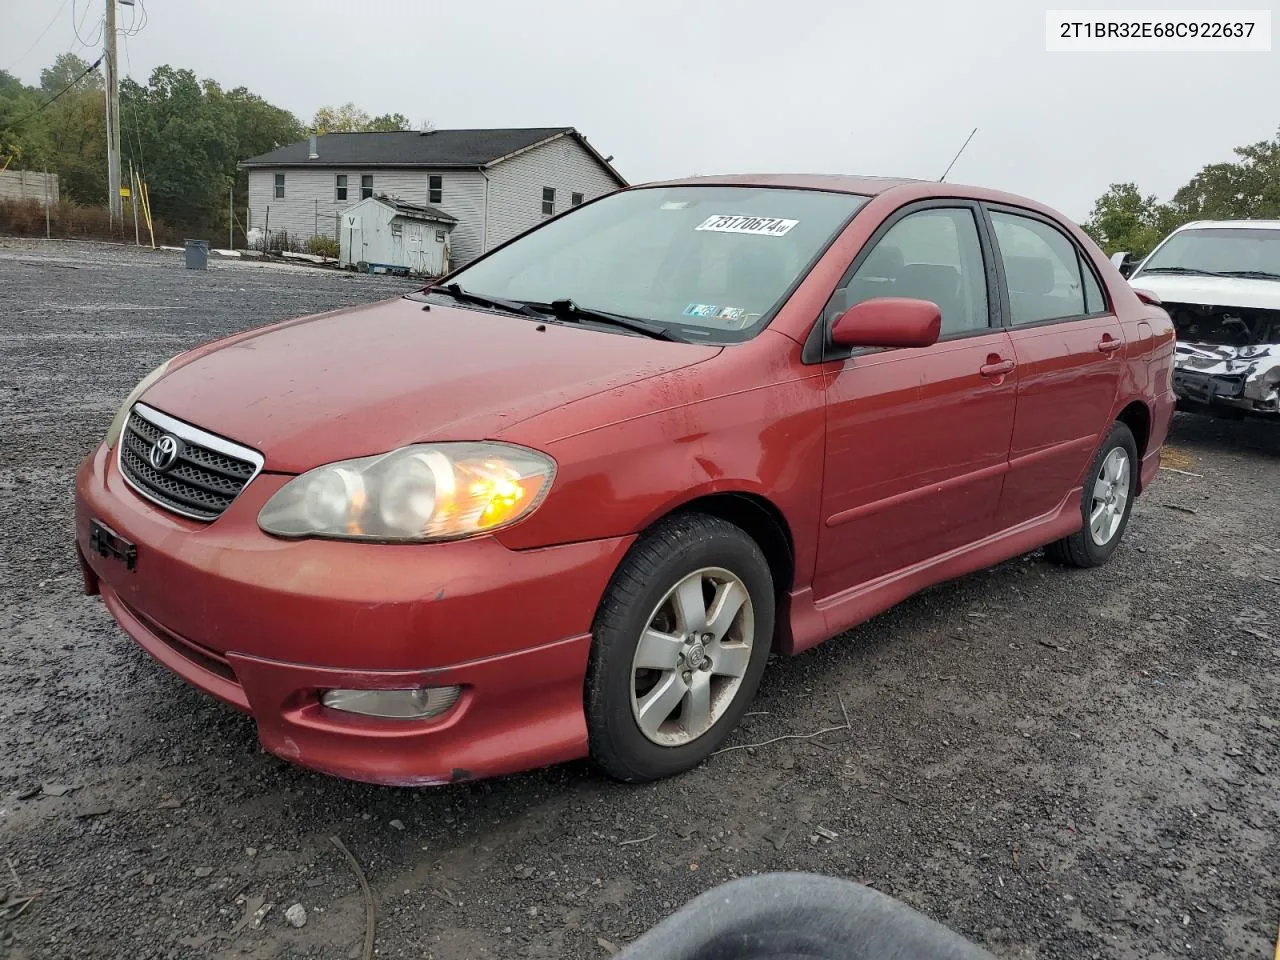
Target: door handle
[(996, 368), (1109, 345)]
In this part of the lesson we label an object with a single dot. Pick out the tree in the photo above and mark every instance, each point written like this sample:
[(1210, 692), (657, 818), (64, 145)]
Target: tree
[(1248, 189), (64, 71), (184, 136), (1245, 189), (24, 140), (1124, 220), (259, 125), (389, 122), (349, 118), (78, 145)]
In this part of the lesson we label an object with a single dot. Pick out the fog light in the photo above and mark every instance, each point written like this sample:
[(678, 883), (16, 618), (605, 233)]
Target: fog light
[(421, 703)]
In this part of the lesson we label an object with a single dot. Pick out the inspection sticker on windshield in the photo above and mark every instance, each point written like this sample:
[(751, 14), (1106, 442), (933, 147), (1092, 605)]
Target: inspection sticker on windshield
[(701, 310), (760, 226), (734, 318)]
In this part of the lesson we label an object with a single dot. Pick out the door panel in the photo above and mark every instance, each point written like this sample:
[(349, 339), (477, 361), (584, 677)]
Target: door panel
[(1070, 354), (1066, 390), (917, 447)]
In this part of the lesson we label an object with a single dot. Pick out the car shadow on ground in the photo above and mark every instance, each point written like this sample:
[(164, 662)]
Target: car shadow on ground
[(1254, 436)]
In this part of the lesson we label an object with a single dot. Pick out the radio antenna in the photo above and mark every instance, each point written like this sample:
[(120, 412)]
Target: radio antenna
[(957, 156)]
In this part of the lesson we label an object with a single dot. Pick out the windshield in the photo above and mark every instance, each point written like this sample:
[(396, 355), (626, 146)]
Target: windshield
[(1229, 250), (707, 263)]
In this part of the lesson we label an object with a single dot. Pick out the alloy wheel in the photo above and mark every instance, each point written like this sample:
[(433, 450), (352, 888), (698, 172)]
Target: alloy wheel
[(1110, 497), (692, 656)]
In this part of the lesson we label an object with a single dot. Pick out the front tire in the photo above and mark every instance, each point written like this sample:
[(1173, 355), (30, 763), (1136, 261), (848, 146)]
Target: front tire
[(1110, 487), (680, 642)]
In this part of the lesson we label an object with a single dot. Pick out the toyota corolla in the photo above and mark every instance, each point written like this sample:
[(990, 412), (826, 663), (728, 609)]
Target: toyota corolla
[(565, 501)]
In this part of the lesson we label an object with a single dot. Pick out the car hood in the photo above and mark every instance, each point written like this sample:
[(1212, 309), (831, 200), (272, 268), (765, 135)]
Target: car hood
[(1211, 291), (367, 380)]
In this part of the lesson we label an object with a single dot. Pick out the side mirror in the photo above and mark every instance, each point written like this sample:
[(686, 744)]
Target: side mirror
[(1122, 262), (888, 322)]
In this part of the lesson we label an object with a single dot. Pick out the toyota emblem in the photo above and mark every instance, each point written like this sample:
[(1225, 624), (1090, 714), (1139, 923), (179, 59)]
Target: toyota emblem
[(164, 452)]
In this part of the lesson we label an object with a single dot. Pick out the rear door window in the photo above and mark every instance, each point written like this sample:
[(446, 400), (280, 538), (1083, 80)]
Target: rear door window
[(1041, 270)]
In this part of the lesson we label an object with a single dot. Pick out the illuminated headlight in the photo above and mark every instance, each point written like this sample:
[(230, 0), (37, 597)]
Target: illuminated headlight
[(117, 422), (431, 491), (421, 703)]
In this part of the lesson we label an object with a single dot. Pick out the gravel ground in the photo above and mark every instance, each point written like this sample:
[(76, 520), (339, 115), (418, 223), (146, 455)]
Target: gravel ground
[(1052, 763)]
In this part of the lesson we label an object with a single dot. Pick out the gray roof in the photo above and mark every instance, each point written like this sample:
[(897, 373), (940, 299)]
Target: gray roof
[(439, 149), (416, 211)]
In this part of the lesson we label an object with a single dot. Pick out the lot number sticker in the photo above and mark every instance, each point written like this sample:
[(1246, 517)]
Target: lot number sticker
[(760, 226)]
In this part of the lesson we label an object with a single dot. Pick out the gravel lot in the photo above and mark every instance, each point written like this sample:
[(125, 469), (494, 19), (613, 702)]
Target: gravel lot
[(1052, 763)]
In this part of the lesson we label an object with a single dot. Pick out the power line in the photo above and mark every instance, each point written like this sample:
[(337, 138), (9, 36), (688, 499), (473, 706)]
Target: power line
[(138, 19), (88, 70), (37, 40), (87, 44), (133, 108)]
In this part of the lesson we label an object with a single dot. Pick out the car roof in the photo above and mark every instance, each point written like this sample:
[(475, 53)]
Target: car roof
[(863, 186), (836, 183), (1230, 224)]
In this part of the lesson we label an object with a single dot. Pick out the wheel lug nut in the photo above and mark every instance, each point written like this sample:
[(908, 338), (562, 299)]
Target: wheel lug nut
[(687, 676)]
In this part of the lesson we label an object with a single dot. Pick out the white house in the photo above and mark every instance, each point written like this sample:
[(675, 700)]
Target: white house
[(379, 231), (495, 183)]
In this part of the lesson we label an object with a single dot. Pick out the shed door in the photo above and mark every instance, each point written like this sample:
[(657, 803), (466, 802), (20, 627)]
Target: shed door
[(352, 238), (418, 253)]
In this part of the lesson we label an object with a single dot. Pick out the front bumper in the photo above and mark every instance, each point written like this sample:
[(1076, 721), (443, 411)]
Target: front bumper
[(1210, 378), (265, 625)]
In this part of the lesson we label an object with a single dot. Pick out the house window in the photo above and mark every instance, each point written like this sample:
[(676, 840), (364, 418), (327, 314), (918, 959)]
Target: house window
[(439, 236), (340, 187), (575, 199), (279, 186), (435, 188), (548, 201), (366, 186), (397, 230)]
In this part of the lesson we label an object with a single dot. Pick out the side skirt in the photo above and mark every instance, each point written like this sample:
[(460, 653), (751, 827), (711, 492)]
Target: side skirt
[(811, 621)]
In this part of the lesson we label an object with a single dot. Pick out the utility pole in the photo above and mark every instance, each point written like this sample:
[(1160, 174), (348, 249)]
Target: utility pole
[(112, 77)]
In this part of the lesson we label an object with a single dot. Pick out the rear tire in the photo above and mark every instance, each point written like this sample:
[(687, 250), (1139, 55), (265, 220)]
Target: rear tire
[(680, 642), (1110, 487)]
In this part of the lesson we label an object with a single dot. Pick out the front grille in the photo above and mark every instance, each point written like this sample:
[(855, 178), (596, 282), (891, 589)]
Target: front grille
[(206, 475)]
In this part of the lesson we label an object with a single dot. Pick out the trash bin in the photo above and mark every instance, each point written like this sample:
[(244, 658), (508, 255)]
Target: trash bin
[(197, 254)]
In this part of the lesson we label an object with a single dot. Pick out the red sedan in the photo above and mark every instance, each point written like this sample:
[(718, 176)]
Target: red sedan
[(565, 501)]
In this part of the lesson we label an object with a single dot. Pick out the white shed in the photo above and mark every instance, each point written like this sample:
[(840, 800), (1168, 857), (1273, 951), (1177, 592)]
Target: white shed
[(385, 234)]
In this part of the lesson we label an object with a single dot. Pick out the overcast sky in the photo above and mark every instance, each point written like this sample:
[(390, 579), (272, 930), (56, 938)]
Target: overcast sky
[(671, 89)]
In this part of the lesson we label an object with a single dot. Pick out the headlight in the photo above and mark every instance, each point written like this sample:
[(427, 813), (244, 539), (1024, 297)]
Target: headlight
[(430, 491), (117, 422)]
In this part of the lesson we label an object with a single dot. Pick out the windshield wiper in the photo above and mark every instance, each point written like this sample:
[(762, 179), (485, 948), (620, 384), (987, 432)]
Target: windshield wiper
[(571, 312), (1252, 274), (1189, 270), (480, 300)]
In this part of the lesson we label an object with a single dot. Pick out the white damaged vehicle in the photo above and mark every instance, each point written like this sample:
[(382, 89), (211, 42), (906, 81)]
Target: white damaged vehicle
[(1220, 282)]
